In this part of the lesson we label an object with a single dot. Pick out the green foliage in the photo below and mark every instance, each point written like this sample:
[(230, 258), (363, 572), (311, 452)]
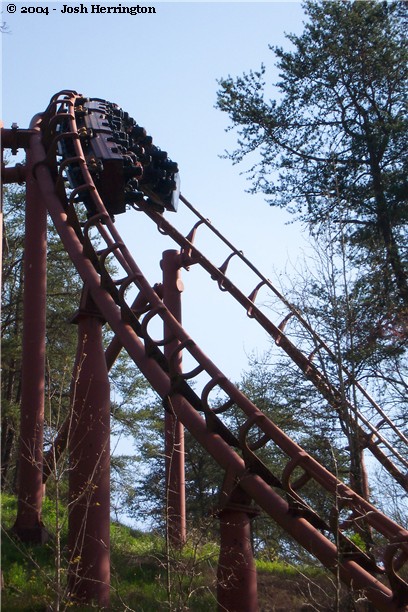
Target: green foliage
[(281, 568), (63, 291), (145, 495), (28, 571), (328, 143), (139, 566), (138, 563), (129, 541), (331, 143), (130, 392)]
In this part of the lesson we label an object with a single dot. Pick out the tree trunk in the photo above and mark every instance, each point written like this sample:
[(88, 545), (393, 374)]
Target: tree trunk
[(385, 229)]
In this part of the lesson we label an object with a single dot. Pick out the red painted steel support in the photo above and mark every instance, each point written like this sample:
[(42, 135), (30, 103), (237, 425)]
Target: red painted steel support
[(28, 525), (236, 576), (16, 138), (351, 570), (16, 174), (89, 484), (174, 430), (60, 442), (1, 205)]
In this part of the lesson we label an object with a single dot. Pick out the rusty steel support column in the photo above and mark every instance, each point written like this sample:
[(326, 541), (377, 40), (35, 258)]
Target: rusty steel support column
[(112, 352), (236, 576), (351, 571), (89, 482), (28, 525), (174, 430)]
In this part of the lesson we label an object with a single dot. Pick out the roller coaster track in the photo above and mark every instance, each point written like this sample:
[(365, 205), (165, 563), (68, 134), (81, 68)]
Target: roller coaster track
[(328, 539), (371, 437)]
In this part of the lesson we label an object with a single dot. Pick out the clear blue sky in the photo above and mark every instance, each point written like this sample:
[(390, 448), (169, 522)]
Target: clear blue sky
[(163, 69)]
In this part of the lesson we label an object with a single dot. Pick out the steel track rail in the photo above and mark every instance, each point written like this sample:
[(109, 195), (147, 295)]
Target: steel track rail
[(278, 497), (320, 344), (370, 440)]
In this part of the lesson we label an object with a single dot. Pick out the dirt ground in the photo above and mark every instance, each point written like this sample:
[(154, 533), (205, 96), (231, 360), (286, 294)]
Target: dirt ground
[(303, 594)]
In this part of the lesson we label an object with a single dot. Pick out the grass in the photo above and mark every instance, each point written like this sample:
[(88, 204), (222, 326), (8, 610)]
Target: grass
[(138, 569), (138, 572), (281, 568)]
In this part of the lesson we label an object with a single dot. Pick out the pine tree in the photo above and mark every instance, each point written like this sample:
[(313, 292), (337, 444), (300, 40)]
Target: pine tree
[(331, 144), (63, 291)]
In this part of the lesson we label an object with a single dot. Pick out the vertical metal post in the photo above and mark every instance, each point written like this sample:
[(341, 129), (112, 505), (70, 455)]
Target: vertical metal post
[(174, 430), (28, 525), (236, 577), (89, 482)]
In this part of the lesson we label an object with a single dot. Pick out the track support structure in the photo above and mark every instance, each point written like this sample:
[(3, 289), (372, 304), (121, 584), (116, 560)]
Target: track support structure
[(236, 575), (29, 526), (174, 429), (232, 443), (89, 457)]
